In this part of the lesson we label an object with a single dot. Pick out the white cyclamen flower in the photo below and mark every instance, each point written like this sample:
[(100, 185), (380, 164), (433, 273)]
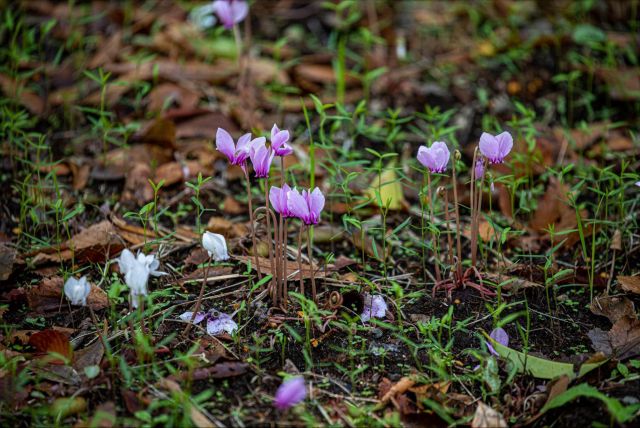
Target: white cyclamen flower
[(136, 271), (77, 290), (127, 261), (215, 245), (152, 263)]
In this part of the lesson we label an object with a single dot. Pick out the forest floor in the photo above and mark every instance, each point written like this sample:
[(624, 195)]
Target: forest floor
[(108, 119)]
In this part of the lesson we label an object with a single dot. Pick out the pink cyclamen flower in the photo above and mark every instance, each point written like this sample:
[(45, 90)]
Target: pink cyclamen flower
[(278, 198), (230, 12), (496, 148), (435, 157), (236, 153), (306, 206), (291, 392), (261, 157), (279, 141), (500, 336), (479, 169)]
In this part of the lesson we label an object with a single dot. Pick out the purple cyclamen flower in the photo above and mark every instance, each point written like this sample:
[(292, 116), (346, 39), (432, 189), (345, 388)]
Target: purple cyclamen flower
[(279, 141), (217, 322), (374, 306), (236, 153), (291, 392), (496, 148), (306, 206), (278, 198), (479, 169), (500, 336), (435, 157), (638, 183), (230, 12), (261, 158)]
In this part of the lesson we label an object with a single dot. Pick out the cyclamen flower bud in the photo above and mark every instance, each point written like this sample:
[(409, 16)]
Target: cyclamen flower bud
[(215, 245), (77, 290)]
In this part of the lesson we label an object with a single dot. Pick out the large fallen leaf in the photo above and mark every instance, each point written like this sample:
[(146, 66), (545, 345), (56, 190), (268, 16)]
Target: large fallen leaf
[(613, 307), (45, 297), (52, 341), (386, 190), (621, 342), (630, 284), (94, 244)]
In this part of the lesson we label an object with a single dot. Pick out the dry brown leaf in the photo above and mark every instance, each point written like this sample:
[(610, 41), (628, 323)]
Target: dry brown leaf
[(398, 388), (625, 337), (24, 96), (94, 244), (137, 187), (89, 356), (7, 258), (630, 284), (613, 307), (623, 83), (309, 76), (47, 296), (107, 52), (166, 95), (48, 341), (486, 417), (161, 132), (201, 126), (231, 206)]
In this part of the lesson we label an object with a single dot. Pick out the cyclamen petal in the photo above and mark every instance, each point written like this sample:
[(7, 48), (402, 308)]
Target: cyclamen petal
[(278, 198), (374, 306), (197, 320), (279, 141), (291, 392), (261, 158), (220, 324), (236, 153), (500, 336), (496, 148)]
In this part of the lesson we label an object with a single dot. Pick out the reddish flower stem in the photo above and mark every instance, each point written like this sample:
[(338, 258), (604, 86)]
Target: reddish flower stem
[(253, 229)]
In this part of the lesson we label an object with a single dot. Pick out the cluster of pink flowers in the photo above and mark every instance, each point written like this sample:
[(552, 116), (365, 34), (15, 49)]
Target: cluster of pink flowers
[(493, 148), (290, 203)]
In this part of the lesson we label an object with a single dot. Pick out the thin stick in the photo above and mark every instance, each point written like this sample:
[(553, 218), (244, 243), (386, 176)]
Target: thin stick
[(187, 329), (253, 229), (285, 290), (433, 233), (447, 219), (455, 203), (313, 276), (95, 323), (269, 240), (300, 259)]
